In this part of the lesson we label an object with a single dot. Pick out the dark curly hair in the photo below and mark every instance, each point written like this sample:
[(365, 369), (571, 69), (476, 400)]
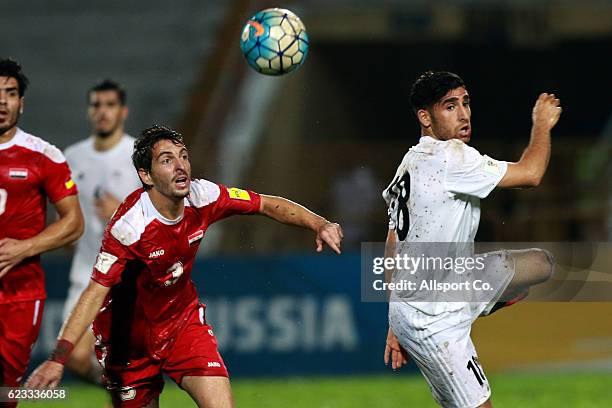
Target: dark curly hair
[(11, 68), (431, 86), (143, 146)]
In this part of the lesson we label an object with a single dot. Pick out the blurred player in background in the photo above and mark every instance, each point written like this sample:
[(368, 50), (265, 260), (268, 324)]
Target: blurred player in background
[(31, 171), (149, 320), (102, 167), (435, 197)]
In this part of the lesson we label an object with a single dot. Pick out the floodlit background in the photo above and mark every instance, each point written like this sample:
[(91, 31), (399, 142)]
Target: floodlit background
[(330, 136)]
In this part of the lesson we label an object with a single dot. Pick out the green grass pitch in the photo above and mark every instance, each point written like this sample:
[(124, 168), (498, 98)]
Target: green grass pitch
[(509, 390)]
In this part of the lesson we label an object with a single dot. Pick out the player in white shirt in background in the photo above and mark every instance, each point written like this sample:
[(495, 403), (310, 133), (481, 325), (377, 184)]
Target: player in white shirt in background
[(102, 167), (435, 197)]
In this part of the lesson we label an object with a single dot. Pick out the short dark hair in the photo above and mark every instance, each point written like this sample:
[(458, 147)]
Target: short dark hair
[(142, 156), (11, 68), (109, 85), (431, 86)]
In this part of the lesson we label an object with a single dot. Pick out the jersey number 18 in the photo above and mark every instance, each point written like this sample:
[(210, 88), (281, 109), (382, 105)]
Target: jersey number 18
[(400, 191)]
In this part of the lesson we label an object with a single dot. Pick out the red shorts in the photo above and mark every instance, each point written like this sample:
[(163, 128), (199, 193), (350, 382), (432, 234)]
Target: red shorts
[(194, 353), (19, 327)]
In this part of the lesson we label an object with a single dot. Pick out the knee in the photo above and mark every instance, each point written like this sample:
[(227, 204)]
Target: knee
[(545, 262)]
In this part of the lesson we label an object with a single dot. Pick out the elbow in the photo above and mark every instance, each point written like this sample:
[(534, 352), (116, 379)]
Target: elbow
[(270, 206), (77, 226), (529, 176), (534, 180)]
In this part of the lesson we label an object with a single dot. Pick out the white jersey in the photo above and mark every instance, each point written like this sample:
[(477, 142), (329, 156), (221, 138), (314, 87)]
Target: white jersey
[(435, 197), (435, 194), (95, 172)]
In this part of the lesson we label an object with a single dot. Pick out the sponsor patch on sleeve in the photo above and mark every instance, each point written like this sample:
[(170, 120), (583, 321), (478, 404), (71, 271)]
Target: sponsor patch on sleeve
[(491, 166), (238, 194), (69, 184), (104, 262)]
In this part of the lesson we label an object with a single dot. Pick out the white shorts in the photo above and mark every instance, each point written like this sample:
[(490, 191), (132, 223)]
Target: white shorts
[(80, 275), (74, 293), (442, 348)]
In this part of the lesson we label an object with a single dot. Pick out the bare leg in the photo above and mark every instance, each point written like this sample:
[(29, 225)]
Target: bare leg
[(154, 403), (487, 404), (82, 361), (209, 392), (531, 267)]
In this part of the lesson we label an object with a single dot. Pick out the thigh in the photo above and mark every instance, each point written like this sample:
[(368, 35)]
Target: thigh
[(84, 348), (208, 391), (133, 383), (19, 328), (531, 267), (195, 352), (447, 358)]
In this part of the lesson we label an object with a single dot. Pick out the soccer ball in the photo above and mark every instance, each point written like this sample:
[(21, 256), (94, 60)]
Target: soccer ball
[(274, 41)]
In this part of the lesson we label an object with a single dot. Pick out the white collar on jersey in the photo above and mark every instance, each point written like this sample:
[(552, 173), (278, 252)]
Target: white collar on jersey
[(429, 139), (16, 137), (151, 210)]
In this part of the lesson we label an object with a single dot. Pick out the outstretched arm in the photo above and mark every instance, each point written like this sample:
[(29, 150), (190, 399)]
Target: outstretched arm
[(394, 351), (49, 373), (66, 229), (530, 169), (288, 212)]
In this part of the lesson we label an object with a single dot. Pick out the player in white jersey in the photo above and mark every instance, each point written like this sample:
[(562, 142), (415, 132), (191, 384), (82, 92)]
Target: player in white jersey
[(102, 167), (435, 197)]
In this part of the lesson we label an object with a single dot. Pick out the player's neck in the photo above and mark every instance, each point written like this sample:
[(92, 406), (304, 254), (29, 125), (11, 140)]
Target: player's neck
[(428, 132), (102, 144), (170, 208), (8, 135)]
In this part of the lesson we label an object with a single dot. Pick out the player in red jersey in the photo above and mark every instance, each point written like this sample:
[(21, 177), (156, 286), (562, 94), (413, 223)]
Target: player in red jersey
[(31, 170), (149, 320)]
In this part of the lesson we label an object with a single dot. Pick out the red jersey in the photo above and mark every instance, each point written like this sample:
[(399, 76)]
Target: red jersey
[(31, 170), (147, 259)]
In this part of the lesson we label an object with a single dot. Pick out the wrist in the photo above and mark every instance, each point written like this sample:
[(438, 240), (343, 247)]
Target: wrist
[(540, 127), (29, 252), (319, 223), (62, 351)]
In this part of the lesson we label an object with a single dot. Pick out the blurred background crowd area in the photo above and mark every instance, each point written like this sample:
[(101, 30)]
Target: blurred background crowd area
[(332, 134)]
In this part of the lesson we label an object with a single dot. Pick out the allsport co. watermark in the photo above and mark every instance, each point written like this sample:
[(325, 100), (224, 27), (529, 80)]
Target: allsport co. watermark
[(485, 272)]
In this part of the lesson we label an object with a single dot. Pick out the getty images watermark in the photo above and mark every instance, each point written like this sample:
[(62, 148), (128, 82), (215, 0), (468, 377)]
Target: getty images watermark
[(411, 265), (468, 272)]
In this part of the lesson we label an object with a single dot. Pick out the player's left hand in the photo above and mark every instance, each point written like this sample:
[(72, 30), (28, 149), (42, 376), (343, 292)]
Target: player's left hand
[(12, 252), (106, 205), (395, 352), (331, 234), (47, 375)]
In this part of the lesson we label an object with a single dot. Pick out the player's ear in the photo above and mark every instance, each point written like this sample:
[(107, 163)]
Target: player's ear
[(125, 111), (424, 117), (145, 177), (21, 103)]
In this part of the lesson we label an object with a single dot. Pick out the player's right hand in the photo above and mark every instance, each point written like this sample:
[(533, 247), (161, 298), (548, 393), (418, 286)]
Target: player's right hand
[(395, 352), (12, 252), (47, 375), (546, 111), (331, 234)]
